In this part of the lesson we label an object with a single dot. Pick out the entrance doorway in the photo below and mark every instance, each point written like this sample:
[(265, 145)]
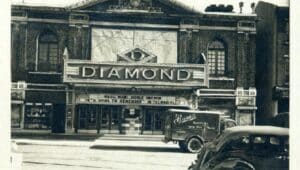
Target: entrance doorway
[(58, 118), (110, 119), (119, 119), (154, 121), (104, 119)]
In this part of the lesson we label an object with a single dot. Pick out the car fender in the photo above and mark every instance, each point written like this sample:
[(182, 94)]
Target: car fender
[(194, 136), (231, 163)]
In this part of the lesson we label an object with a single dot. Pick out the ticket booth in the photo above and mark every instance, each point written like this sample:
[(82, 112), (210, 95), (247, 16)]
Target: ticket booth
[(132, 120)]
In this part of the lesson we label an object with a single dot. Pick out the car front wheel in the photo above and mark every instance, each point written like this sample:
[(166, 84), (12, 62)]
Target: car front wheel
[(194, 145)]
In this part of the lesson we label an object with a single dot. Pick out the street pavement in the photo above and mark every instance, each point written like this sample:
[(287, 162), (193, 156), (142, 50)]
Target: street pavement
[(101, 154)]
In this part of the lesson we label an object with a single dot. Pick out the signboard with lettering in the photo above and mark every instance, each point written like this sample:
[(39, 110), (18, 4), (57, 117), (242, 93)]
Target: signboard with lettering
[(131, 100), (281, 92), (245, 97), (245, 101), (17, 94), (188, 75)]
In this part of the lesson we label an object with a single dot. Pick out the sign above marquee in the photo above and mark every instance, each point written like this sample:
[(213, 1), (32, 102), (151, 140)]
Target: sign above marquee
[(185, 75)]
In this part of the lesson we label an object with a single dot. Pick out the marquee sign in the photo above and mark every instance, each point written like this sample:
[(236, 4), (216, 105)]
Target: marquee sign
[(188, 75), (131, 100)]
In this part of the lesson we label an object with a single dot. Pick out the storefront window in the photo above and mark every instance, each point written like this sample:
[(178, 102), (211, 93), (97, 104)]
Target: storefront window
[(245, 117), (16, 111), (37, 116)]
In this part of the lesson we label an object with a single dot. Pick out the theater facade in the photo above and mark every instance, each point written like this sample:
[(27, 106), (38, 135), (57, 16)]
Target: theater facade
[(116, 66)]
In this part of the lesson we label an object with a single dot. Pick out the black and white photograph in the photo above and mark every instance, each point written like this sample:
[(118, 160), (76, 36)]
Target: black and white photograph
[(147, 85)]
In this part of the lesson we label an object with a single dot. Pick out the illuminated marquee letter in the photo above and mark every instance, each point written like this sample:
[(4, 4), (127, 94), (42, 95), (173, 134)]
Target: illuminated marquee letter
[(113, 72), (131, 74), (166, 74), (153, 72), (88, 71), (183, 75)]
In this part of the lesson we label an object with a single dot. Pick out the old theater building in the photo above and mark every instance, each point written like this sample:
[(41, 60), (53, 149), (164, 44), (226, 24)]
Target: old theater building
[(116, 66)]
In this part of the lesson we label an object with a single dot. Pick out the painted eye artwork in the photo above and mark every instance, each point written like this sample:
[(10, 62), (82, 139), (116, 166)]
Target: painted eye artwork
[(137, 55)]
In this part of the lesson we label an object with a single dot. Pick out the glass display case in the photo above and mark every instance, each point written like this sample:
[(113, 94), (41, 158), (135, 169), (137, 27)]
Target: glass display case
[(38, 116)]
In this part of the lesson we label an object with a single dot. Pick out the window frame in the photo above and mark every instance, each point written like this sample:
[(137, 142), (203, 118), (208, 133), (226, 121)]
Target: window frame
[(219, 55), (53, 61), (269, 147)]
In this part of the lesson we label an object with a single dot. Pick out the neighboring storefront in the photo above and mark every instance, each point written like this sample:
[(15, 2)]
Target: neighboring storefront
[(45, 108), (238, 104), (17, 104), (38, 107)]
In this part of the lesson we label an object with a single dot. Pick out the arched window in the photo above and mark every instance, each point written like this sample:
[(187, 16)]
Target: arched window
[(47, 52), (216, 58)]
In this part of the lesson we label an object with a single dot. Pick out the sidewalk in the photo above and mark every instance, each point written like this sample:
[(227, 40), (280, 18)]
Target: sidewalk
[(91, 140), (133, 145), (104, 144), (95, 141), (47, 135), (53, 142), (127, 137), (85, 136)]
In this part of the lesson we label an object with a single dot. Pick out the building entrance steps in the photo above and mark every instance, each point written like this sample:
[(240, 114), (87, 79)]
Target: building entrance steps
[(132, 137)]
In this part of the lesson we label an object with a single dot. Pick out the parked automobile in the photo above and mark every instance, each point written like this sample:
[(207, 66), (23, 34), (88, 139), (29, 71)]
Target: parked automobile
[(281, 120), (192, 128), (246, 148)]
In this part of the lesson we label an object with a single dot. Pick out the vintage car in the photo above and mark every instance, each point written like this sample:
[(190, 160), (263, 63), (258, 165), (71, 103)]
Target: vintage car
[(281, 120), (192, 128), (246, 148)]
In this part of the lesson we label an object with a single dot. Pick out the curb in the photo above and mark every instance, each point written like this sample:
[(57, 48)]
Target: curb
[(52, 143), (133, 145), (50, 136), (104, 144)]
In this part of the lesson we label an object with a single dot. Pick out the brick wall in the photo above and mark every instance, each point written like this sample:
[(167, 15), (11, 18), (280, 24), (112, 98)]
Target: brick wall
[(18, 50), (24, 45), (34, 30), (240, 61)]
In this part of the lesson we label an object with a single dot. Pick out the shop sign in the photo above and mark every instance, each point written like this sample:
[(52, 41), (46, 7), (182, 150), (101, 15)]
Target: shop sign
[(17, 94), (131, 100), (246, 97), (246, 101), (82, 71), (281, 92)]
